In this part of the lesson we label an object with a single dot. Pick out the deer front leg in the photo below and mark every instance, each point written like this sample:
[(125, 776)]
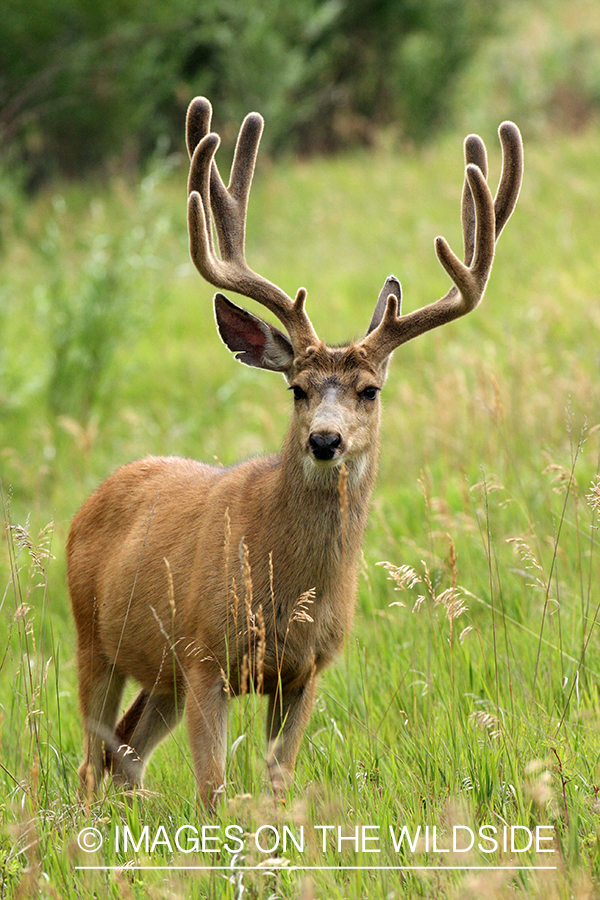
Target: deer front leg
[(287, 718), (207, 729)]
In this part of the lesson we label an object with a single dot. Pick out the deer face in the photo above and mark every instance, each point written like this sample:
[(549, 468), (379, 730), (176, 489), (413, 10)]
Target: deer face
[(336, 390), (336, 405)]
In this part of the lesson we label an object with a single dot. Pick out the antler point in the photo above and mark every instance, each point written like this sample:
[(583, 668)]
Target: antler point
[(473, 169), (300, 298), (506, 126), (391, 308)]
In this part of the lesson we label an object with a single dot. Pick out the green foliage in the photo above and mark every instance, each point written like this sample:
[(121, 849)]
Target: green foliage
[(475, 704), (395, 63), (541, 68), (82, 83), (9, 863), (90, 314)]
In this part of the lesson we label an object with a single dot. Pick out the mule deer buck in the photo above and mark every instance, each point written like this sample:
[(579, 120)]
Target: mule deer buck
[(201, 582)]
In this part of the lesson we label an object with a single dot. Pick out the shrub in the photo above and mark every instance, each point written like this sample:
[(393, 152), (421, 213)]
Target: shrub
[(81, 83)]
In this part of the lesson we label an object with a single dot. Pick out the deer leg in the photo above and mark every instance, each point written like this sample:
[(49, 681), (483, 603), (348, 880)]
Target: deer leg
[(100, 691), (148, 720), (207, 728), (287, 718)]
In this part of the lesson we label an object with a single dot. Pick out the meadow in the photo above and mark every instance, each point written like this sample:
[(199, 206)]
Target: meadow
[(467, 694)]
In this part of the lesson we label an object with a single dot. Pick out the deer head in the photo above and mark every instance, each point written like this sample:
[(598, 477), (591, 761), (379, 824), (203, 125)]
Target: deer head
[(335, 389)]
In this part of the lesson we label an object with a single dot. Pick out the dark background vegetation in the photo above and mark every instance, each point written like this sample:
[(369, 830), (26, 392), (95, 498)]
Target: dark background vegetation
[(86, 84), (84, 81)]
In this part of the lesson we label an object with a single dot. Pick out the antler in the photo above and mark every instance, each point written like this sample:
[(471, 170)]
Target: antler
[(482, 221), (208, 197)]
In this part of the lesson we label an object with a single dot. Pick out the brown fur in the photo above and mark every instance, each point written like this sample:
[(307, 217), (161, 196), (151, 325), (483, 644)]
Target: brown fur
[(199, 519), (196, 581)]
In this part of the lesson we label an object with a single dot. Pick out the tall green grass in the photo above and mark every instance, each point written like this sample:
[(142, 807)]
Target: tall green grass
[(469, 698)]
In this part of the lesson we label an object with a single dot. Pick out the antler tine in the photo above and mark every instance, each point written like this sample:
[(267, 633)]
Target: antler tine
[(197, 122), (482, 222), (209, 199), (475, 153), (511, 175)]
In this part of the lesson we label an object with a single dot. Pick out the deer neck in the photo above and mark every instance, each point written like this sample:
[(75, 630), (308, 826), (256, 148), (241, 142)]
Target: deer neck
[(328, 500)]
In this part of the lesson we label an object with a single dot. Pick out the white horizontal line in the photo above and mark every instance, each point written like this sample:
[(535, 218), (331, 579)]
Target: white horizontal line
[(292, 868)]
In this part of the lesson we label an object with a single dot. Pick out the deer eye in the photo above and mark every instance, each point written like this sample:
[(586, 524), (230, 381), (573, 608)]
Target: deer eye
[(299, 394), (369, 393)]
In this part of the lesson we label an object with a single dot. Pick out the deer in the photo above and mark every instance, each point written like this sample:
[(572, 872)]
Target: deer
[(202, 582)]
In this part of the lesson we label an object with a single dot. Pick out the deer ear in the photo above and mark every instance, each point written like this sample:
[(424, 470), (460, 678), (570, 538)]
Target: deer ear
[(253, 341), (391, 286)]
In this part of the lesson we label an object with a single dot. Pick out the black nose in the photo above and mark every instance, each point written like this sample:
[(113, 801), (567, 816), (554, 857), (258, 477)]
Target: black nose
[(323, 446)]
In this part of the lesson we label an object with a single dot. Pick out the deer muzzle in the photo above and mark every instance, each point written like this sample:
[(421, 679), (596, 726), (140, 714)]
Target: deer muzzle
[(324, 445)]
